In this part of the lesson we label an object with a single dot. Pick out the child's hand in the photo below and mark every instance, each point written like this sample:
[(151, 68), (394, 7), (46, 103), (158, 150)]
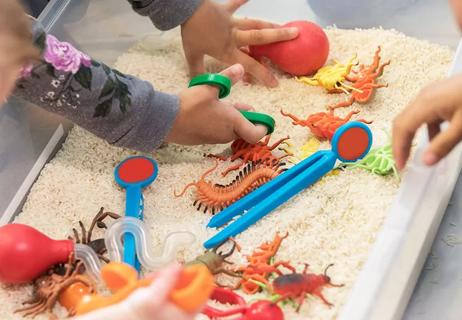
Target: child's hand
[(213, 31), (204, 119), (152, 302), (438, 102), (457, 10)]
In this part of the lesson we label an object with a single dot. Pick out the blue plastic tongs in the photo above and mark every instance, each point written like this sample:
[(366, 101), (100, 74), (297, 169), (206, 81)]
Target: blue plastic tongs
[(350, 143)]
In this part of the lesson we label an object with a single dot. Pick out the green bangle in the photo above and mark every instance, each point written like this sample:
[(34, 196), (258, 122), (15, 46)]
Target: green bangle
[(222, 82), (260, 118)]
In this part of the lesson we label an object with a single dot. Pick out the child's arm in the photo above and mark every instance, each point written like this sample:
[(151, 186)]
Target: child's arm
[(124, 110), (441, 101), (209, 28), (166, 14), (121, 109)]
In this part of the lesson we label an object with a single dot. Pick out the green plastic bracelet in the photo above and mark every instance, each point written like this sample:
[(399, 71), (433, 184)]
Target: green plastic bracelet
[(260, 118), (223, 83)]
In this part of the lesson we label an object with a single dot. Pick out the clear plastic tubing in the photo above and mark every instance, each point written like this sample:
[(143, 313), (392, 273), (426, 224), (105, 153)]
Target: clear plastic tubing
[(90, 260), (114, 246)]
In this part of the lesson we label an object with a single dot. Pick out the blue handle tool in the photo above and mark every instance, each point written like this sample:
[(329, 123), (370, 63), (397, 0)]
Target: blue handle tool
[(134, 174), (350, 143)]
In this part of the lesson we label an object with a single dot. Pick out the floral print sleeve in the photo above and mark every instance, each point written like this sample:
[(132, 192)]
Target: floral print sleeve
[(122, 109)]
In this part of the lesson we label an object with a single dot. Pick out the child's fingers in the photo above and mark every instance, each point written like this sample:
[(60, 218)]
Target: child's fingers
[(195, 63), (264, 36), (255, 69), (422, 110), (433, 129), (233, 5), (401, 145), (242, 106), (249, 24), (235, 73), (247, 130), (160, 288), (172, 312), (457, 10), (444, 142)]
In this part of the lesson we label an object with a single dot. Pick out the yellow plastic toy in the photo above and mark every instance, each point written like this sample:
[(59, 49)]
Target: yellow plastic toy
[(331, 77), (194, 287), (310, 147)]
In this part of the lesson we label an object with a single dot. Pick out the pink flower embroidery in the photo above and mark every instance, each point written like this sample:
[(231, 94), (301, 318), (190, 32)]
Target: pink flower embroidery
[(63, 56)]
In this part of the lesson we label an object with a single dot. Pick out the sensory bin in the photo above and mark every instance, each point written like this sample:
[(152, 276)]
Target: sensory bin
[(333, 222)]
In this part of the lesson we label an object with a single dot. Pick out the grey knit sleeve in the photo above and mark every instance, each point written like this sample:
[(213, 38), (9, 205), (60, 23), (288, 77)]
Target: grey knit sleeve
[(119, 108), (166, 14)]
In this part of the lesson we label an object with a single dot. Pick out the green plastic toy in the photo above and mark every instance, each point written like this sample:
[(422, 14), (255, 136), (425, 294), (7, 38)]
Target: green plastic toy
[(223, 84), (378, 161)]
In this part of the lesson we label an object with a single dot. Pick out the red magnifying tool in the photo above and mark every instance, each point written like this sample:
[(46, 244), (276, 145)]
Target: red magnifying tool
[(134, 174)]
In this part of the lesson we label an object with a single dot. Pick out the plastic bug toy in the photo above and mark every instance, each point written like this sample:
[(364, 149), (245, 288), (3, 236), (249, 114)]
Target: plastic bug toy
[(297, 285), (47, 289), (259, 310), (259, 261), (379, 161), (215, 197), (332, 77), (323, 124), (364, 82), (295, 156), (214, 261), (254, 153), (97, 245)]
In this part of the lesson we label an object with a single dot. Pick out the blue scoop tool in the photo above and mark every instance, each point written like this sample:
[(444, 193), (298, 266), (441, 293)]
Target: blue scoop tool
[(351, 142), (134, 174)]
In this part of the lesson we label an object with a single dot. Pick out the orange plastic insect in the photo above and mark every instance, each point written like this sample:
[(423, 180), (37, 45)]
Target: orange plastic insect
[(257, 262), (194, 287), (364, 82), (255, 153), (323, 124), (216, 197), (298, 285)]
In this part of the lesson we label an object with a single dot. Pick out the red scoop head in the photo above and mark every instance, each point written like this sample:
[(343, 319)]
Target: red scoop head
[(26, 253), (352, 141), (137, 170)]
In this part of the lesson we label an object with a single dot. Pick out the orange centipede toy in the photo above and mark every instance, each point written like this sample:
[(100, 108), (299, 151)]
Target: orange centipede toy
[(216, 197), (258, 263), (260, 152)]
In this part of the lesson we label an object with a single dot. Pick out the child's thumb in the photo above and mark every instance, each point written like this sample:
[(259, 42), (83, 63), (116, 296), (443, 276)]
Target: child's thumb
[(235, 73)]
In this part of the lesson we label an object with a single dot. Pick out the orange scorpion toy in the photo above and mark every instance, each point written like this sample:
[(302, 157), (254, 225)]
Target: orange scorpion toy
[(364, 82), (259, 261), (216, 197), (255, 153), (323, 124), (297, 285)]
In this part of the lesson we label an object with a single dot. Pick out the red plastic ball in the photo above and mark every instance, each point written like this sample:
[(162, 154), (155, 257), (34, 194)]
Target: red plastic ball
[(26, 253), (263, 310), (303, 55)]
